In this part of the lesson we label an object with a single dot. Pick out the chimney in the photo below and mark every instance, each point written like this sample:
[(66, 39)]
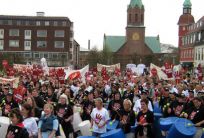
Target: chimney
[(40, 14), (89, 44)]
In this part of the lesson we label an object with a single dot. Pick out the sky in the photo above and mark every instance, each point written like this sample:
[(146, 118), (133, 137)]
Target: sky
[(94, 18)]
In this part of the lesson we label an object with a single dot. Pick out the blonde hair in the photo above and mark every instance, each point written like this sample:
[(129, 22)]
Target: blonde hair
[(49, 106), (65, 97), (128, 101)]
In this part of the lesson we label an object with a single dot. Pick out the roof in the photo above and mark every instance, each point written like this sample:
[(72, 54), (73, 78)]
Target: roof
[(186, 19), (187, 4), (153, 43), (13, 17), (136, 3), (116, 42)]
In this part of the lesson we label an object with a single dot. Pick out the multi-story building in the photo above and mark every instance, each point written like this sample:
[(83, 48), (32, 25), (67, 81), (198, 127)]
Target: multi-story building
[(191, 38), (30, 38)]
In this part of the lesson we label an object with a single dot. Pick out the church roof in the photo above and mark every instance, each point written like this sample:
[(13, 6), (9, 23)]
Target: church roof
[(135, 3), (116, 42), (187, 4)]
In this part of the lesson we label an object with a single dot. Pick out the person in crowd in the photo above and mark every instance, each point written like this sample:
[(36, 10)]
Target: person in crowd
[(48, 123), (127, 116), (43, 91), (196, 115), (29, 122), (51, 97), (8, 104), (99, 118), (115, 106), (137, 106), (145, 119), (64, 114), (129, 93), (88, 105), (36, 111), (38, 99), (5, 91), (16, 129)]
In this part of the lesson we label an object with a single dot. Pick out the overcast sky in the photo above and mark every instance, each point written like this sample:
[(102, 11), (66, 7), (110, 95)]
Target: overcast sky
[(93, 18)]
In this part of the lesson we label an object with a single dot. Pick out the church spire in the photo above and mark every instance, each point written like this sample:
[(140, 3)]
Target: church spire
[(187, 4), (187, 7), (136, 3)]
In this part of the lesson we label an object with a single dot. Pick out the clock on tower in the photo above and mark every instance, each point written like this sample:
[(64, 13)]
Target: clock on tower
[(135, 36)]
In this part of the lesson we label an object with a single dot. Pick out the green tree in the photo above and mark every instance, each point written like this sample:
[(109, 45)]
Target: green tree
[(106, 56), (94, 57)]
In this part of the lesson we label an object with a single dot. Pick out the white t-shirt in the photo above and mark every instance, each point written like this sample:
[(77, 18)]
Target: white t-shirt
[(31, 126), (137, 106), (99, 117)]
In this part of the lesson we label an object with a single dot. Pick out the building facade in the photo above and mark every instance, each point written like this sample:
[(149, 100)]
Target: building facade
[(135, 45), (191, 38), (30, 38)]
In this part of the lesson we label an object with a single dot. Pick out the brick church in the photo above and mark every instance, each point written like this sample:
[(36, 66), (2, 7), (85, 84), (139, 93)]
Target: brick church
[(135, 46)]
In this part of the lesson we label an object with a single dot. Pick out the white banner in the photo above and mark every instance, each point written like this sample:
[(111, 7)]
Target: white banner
[(160, 73), (110, 68)]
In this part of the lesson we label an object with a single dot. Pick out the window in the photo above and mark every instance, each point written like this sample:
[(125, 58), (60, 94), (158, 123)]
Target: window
[(130, 18), (27, 55), (183, 39), (59, 33), (185, 11), (45, 55), (36, 55), (13, 32), (1, 22), (41, 44), (64, 23), (184, 28), (38, 23), (54, 55), (47, 23), (27, 45), (9, 22), (1, 44), (18, 23), (55, 23), (194, 38), (14, 43), (27, 34), (42, 33), (1, 33), (59, 44), (142, 18), (136, 18), (27, 23), (199, 36)]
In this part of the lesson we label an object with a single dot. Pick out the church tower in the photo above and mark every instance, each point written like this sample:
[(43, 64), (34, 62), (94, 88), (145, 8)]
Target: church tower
[(135, 30), (185, 20)]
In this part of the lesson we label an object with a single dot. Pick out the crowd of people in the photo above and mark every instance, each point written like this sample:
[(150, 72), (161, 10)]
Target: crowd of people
[(48, 104)]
